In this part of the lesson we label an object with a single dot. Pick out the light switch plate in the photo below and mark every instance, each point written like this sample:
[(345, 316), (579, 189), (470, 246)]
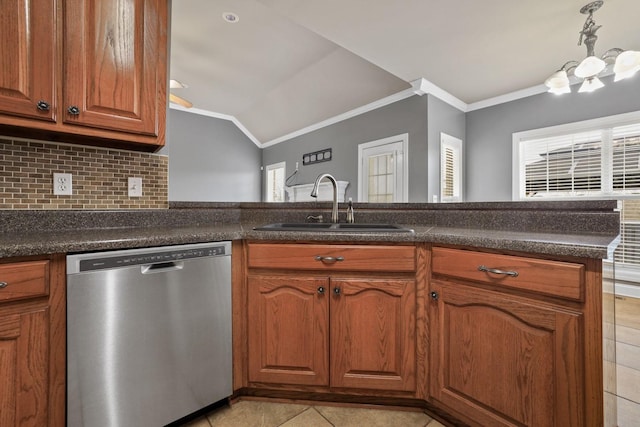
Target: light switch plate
[(62, 184), (135, 187)]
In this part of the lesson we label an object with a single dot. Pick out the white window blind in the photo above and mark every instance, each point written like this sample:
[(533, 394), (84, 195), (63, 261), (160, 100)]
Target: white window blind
[(450, 168), (567, 165), (626, 159)]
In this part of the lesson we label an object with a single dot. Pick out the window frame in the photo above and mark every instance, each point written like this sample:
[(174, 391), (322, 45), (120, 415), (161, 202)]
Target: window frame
[(401, 160), (520, 138), (455, 144), (269, 168)]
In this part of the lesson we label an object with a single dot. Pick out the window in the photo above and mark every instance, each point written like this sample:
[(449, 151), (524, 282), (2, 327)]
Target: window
[(275, 182), (450, 168), (383, 170), (593, 159)]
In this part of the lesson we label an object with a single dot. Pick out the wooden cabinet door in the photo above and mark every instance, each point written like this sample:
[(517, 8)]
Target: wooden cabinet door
[(24, 364), (288, 341), (27, 64), (373, 334), (114, 57), (503, 360)]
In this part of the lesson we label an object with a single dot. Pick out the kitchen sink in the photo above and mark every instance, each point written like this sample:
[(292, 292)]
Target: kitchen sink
[(329, 227)]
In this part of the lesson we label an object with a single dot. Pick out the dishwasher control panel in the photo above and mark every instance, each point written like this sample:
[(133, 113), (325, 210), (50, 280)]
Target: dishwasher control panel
[(131, 257)]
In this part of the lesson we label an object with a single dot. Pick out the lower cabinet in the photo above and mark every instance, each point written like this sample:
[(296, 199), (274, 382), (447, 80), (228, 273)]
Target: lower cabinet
[(511, 338), (339, 330), (288, 330), (477, 337), (32, 342), (505, 361)]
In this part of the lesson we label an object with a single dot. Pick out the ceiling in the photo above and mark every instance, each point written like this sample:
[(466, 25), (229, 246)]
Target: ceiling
[(287, 65)]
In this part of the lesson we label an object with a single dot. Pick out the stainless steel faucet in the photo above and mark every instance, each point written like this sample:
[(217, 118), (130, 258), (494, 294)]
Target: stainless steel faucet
[(314, 193)]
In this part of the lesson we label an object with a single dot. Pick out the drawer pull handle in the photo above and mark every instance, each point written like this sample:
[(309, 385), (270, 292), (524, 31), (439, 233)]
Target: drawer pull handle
[(321, 290), (336, 291), (329, 259), (3, 285), (496, 271)]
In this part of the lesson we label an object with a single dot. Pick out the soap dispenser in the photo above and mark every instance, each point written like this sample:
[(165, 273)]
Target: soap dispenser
[(350, 218)]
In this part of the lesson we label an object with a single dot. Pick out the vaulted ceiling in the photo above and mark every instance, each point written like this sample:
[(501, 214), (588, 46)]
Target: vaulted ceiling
[(286, 65)]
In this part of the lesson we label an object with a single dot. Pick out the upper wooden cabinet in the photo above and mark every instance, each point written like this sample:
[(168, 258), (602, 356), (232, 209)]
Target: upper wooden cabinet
[(28, 72), (92, 70)]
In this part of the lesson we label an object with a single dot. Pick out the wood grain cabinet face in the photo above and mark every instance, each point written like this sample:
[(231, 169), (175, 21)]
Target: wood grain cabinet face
[(505, 361), (32, 343), (23, 363), (27, 51), (111, 51), (373, 334), (288, 336), (344, 330)]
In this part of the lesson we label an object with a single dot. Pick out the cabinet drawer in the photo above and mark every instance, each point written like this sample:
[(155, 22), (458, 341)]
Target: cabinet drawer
[(561, 279), (24, 280), (332, 257)]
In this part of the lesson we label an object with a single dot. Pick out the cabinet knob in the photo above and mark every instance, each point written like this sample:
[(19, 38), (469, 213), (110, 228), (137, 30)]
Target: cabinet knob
[(434, 296), (73, 110), (3, 285), (321, 290), (336, 290), (43, 105)]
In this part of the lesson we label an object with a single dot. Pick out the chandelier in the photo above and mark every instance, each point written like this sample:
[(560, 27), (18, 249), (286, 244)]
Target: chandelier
[(626, 62)]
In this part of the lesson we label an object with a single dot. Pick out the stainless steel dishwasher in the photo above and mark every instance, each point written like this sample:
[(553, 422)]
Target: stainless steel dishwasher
[(148, 334)]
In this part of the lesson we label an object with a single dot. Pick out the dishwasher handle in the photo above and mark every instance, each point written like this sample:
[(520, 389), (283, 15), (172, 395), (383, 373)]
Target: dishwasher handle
[(161, 267)]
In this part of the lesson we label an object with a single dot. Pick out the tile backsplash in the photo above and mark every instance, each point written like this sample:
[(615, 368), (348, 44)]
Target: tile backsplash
[(99, 176)]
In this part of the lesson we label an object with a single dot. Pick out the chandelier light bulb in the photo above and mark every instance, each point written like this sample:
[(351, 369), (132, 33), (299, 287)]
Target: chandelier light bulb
[(627, 64), (590, 67), (558, 83), (590, 84)]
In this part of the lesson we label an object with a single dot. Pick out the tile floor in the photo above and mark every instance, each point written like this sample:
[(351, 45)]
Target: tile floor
[(256, 413)]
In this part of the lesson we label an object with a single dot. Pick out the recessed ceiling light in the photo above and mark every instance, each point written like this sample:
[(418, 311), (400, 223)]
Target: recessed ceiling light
[(230, 17)]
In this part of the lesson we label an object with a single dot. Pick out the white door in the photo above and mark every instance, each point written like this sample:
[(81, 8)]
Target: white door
[(383, 171)]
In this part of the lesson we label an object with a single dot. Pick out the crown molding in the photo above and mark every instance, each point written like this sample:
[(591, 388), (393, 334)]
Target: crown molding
[(219, 116), (425, 86), (349, 114), (418, 87)]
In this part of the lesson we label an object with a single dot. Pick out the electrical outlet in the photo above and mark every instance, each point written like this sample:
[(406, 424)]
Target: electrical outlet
[(135, 187), (62, 184)]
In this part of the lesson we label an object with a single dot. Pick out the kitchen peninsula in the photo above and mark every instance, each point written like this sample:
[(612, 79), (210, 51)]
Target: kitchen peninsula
[(488, 314)]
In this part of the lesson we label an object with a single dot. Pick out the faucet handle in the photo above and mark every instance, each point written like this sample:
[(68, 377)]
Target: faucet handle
[(350, 213), (314, 218)]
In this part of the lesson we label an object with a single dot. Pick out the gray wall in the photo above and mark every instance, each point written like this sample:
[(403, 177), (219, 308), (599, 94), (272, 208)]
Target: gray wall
[(489, 132), (441, 117), (406, 116), (210, 160)]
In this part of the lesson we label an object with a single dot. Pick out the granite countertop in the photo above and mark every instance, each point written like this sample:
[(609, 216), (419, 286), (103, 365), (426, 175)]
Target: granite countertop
[(593, 230)]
